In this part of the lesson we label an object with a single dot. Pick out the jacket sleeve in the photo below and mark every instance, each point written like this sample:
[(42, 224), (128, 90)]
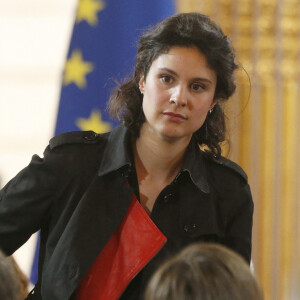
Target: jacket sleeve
[(25, 202), (239, 227)]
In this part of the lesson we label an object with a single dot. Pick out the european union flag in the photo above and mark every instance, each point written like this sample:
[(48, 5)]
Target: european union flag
[(102, 50)]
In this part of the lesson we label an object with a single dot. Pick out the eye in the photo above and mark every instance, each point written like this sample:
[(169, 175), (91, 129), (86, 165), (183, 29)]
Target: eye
[(197, 87), (166, 78)]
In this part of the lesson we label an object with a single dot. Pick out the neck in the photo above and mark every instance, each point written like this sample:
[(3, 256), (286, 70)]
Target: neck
[(158, 158)]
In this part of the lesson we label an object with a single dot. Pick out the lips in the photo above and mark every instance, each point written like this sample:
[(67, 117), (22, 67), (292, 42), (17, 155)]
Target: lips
[(175, 117)]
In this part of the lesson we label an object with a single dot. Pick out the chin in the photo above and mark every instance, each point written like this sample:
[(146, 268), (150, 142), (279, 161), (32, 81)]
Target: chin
[(174, 134)]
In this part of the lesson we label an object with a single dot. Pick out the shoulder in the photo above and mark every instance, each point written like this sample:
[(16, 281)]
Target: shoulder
[(76, 148), (72, 151), (225, 165), (77, 138)]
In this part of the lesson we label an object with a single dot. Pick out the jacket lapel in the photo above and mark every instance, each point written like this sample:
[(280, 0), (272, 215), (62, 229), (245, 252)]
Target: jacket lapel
[(197, 204)]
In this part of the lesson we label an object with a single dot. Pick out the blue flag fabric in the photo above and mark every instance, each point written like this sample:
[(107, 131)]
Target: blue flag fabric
[(102, 50)]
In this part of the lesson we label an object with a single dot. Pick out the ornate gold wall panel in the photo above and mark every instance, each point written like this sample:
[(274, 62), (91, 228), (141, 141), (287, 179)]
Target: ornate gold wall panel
[(264, 128)]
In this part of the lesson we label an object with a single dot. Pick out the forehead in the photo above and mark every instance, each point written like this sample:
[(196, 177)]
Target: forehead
[(187, 60)]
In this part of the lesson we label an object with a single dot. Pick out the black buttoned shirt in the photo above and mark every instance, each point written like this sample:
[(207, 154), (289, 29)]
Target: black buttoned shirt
[(186, 194)]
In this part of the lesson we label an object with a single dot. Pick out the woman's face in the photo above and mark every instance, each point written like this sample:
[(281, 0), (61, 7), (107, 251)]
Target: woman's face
[(178, 93)]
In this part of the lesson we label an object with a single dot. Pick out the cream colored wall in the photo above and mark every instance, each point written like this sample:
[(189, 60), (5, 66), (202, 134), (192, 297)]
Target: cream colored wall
[(34, 36)]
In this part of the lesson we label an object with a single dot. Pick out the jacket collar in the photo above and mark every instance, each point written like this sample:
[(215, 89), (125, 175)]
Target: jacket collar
[(194, 165), (117, 151), (117, 155)]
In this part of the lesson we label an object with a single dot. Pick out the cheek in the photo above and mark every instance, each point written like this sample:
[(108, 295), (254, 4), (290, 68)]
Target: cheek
[(199, 121), (148, 106), (200, 114), (154, 98), (202, 106)]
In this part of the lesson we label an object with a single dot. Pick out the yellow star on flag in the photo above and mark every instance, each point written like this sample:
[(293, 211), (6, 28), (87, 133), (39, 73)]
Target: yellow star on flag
[(88, 10), (94, 122), (76, 70)]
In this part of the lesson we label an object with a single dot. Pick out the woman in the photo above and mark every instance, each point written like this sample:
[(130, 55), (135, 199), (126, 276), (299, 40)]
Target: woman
[(204, 271), (112, 207)]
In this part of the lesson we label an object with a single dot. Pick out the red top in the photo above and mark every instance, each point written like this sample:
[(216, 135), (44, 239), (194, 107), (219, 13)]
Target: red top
[(133, 245)]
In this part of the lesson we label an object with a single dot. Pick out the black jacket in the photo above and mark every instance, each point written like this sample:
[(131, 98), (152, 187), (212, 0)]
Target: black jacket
[(77, 196)]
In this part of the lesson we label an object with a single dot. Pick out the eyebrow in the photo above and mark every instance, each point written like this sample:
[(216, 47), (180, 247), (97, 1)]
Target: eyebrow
[(176, 75)]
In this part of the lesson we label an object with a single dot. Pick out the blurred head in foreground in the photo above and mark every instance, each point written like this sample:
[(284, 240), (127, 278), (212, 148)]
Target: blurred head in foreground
[(9, 280), (204, 272)]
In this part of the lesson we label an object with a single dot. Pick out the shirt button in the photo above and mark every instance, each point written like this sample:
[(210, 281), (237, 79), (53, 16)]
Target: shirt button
[(91, 136), (125, 173), (190, 228), (167, 198)]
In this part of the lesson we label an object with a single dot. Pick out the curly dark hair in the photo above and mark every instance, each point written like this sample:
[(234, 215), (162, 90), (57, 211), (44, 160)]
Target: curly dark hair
[(184, 30)]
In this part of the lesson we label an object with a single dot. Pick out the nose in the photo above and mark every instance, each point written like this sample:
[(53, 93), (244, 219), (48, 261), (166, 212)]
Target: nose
[(178, 96)]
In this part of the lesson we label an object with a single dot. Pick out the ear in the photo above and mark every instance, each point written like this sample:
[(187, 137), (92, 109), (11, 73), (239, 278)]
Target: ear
[(142, 84), (213, 104)]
